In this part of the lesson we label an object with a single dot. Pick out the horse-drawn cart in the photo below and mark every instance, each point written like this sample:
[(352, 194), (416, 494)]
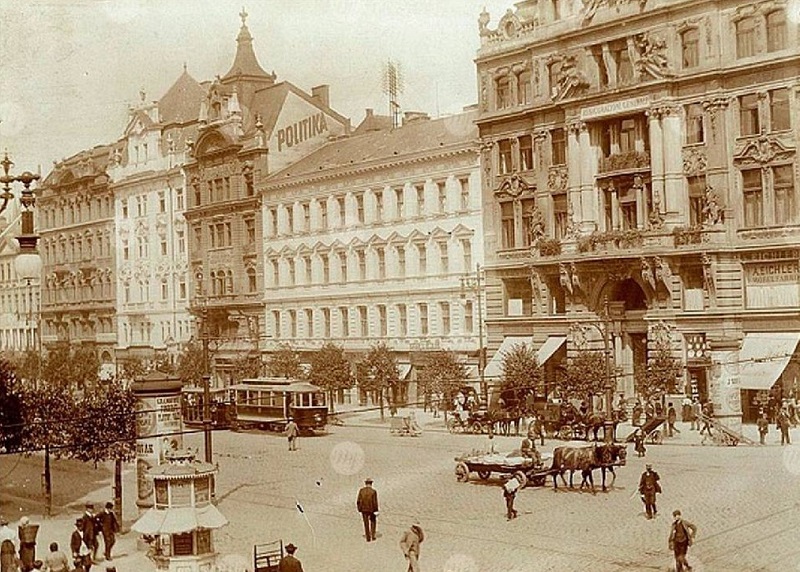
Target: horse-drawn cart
[(524, 469), (653, 433)]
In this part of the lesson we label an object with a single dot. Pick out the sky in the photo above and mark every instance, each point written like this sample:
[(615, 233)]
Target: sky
[(70, 68)]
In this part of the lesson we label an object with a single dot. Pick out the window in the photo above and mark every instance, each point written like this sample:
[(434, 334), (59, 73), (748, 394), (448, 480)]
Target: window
[(619, 51), (504, 149), (444, 258), (141, 244), (362, 264), (524, 88), (292, 272), (423, 259), (363, 321), (441, 192), (379, 205), (125, 250), (179, 199), (293, 323), (382, 323), (360, 208), (753, 198), (507, 224), (197, 194), (401, 261), (276, 323), (326, 269), (402, 319), (627, 136), (748, 115), (182, 289), (306, 269), (309, 319), (380, 254), (528, 207), (306, 217), (519, 295), (783, 187), (444, 313), (694, 124), (164, 289), (464, 184), (556, 9), (466, 250), (697, 199), (251, 280), (469, 317), (345, 321), (526, 153), (553, 74), (503, 92), (776, 30), (323, 215), (779, 109), (250, 230), (339, 206), (423, 319), (141, 206), (400, 200), (628, 207), (326, 322), (272, 221), (124, 208), (162, 202), (746, 37), (560, 216), (420, 190), (181, 236), (690, 48), (558, 144), (342, 267), (163, 246), (274, 271)]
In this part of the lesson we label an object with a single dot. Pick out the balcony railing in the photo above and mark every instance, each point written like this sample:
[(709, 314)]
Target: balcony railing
[(632, 160)]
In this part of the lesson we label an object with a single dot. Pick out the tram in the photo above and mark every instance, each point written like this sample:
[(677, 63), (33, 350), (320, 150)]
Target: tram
[(192, 406), (268, 403)]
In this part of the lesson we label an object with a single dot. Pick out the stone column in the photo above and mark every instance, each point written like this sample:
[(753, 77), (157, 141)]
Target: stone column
[(656, 155), (673, 164), (589, 214), (574, 158)]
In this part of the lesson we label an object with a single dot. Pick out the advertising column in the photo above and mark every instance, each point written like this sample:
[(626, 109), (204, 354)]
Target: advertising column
[(723, 386), (158, 428)]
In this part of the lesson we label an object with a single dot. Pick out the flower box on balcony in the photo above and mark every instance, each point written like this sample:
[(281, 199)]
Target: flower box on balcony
[(549, 247), (687, 235)]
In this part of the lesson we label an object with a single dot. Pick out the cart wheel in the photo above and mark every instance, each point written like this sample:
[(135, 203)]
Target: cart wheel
[(520, 476), (477, 427), (484, 475), (452, 425), (462, 473), (657, 437), (565, 433)]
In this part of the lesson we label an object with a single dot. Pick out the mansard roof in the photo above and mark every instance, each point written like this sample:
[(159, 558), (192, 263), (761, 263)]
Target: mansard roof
[(86, 163), (245, 63), (181, 103), (419, 138)]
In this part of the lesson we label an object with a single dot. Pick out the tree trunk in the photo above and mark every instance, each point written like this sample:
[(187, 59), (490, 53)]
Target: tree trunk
[(48, 488), (330, 401), (379, 393), (118, 488)]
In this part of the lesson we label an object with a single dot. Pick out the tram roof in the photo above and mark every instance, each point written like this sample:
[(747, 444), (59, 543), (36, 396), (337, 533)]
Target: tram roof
[(277, 384)]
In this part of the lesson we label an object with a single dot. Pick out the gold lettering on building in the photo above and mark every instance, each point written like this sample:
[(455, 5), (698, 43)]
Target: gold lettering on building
[(302, 130)]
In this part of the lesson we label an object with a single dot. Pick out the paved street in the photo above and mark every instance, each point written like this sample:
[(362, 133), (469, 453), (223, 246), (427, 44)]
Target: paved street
[(744, 501)]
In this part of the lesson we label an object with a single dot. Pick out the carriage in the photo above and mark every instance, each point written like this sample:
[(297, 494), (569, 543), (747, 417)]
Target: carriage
[(652, 431), (193, 406), (524, 469), (561, 420), (464, 421)]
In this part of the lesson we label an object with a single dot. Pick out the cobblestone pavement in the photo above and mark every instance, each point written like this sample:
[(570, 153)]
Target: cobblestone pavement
[(744, 500)]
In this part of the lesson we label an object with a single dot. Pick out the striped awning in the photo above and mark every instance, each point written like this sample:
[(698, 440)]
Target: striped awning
[(179, 520)]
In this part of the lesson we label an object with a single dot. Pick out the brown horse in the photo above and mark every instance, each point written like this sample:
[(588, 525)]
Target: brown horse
[(586, 460)]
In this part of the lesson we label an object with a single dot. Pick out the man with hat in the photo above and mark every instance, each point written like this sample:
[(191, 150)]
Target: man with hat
[(681, 538), (81, 547), (367, 505), (648, 487), (89, 528), (528, 448), (109, 526), (409, 544), (289, 563)]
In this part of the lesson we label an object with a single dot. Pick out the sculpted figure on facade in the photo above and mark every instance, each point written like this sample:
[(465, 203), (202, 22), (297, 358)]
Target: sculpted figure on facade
[(569, 79), (652, 60), (483, 23), (564, 278), (709, 277), (536, 228), (713, 212), (647, 273)]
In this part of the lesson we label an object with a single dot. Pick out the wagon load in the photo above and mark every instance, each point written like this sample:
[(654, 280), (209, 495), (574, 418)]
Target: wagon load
[(513, 464)]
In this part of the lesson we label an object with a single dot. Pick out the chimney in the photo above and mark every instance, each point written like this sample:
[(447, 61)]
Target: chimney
[(414, 116), (370, 113), (322, 94)]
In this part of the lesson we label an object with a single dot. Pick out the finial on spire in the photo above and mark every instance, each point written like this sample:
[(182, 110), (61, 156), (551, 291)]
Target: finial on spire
[(243, 15), (184, 66)]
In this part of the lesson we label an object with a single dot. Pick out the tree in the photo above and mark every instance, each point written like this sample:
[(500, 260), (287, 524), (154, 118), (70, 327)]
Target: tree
[(285, 363), (27, 365), (443, 375), (246, 366), (191, 363), (67, 367), (381, 375), (521, 371), (106, 431), (131, 369), (11, 419), (663, 368), (330, 370), (584, 375)]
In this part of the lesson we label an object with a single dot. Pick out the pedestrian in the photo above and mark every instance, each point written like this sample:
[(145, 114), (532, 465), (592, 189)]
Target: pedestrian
[(707, 413), (367, 505), (648, 488), (538, 428), (27, 543), (672, 417), (681, 537), (409, 544), (638, 443), (81, 547), (109, 526), (89, 527), (686, 409), (649, 411), (783, 425), (696, 414), (636, 414), (292, 431), (763, 428), (510, 493), (8, 547), (289, 563), (56, 560)]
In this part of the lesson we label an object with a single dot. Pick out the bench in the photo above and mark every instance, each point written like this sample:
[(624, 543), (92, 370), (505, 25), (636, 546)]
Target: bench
[(267, 557)]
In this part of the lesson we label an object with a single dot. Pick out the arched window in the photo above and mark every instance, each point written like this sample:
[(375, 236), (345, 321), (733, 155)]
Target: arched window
[(251, 279)]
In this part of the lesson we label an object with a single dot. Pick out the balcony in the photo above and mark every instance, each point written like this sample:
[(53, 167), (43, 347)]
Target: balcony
[(624, 162)]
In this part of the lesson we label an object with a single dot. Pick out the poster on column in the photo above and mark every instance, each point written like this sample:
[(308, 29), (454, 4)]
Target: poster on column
[(724, 390), (159, 431)]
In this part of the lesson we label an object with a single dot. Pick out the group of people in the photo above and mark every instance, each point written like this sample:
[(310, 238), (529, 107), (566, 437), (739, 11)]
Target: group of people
[(18, 549), (783, 422)]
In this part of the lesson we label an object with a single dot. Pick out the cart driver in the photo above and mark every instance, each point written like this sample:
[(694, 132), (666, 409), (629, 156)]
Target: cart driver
[(528, 448)]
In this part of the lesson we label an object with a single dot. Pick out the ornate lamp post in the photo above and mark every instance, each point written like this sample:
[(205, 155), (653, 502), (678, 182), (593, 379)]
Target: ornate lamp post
[(474, 284)]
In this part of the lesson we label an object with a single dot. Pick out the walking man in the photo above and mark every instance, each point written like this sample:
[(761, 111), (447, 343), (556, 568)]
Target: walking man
[(27, 543), (367, 505), (763, 428), (538, 428), (648, 488), (89, 527), (292, 431), (409, 544), (510, 493), (783, 425), (696, 411), (672, 417), (681, 537), (708, 412), (289, 563), (81, 548), (109, 526)]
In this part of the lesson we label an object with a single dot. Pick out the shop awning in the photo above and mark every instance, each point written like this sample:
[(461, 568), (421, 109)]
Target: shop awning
[(472, 372), (179, 520), (763, 358), (403, 370), (494, 369), (549, 347)]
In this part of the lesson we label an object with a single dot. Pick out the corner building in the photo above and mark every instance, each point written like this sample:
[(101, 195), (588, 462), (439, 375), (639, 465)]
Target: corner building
[(640, 166)]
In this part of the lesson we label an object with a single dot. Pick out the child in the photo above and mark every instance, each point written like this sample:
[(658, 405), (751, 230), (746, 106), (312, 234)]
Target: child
[(510, 493), (638, 440)]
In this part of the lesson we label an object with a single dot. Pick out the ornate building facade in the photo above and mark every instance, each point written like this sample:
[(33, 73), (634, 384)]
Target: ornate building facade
[(250, 125), (369, 239), (643, 178)]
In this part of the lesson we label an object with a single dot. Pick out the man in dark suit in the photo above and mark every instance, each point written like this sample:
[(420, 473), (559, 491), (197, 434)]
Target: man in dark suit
[(680, 539), (367, 505), (81, 549), (109, 526), (289, 563), (648, 487), (90, 529)]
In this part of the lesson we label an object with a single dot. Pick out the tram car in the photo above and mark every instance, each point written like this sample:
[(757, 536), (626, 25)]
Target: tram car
[(268, 403), (193, 402)]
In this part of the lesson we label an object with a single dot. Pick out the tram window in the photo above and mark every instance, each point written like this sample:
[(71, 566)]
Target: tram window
[(319, 399)]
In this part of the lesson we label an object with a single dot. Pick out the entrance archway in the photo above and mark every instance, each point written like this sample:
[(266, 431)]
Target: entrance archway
[(628, 292)]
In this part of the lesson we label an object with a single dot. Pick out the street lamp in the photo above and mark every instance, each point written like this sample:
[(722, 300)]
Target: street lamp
[(603, 327), (206, 375), (474, 284)]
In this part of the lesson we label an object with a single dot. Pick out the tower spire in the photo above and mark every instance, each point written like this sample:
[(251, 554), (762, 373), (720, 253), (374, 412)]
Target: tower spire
[(245, 64)]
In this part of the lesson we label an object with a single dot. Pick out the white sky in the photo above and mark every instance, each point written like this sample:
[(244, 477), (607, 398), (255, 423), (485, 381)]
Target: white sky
[(69, 68)]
